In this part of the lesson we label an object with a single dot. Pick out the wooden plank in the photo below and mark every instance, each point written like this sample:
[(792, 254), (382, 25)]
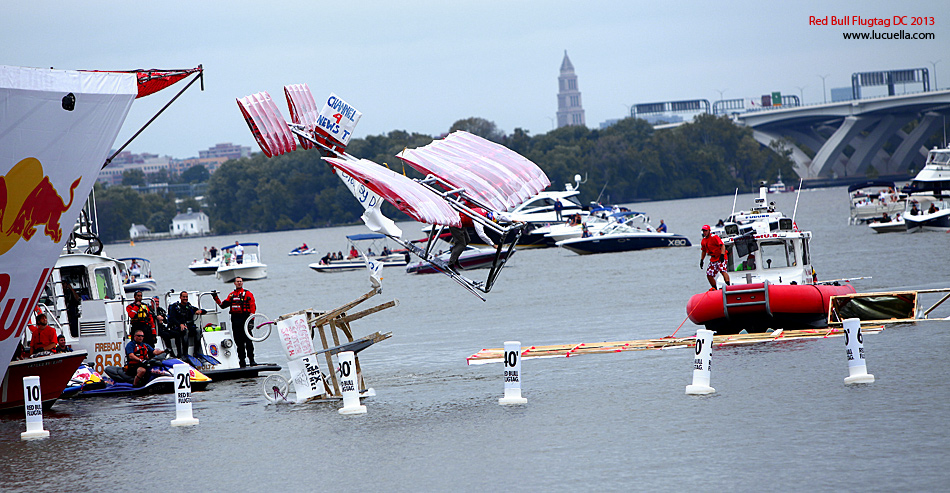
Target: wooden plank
[(370, 311)]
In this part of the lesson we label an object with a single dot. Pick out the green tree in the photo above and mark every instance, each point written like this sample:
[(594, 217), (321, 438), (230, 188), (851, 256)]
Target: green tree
[(195, 174), (133, 177), (480, 127)]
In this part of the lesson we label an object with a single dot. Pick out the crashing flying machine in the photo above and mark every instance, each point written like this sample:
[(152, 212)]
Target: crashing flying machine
[(468, 180)]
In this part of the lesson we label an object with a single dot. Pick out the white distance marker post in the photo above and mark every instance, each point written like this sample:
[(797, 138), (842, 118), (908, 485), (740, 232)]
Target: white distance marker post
[(854, 342), (183, 411), (33, 404), (701, 364), (512, 375), (348, 384)]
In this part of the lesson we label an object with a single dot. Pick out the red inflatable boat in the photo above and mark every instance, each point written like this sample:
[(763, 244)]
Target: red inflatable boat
[(760, 306)]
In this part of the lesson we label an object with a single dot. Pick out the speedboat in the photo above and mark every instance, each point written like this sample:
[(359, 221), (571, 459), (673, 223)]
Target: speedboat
[(780, 187), (205, 266), (635, 233), (539, 213), (773, 283), (137, 275), (250, 268), (371, 243), (895, 225), (871, 200), (928, 201), (471, 258)]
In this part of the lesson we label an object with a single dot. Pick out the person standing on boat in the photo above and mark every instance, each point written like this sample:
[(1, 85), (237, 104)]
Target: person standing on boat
[(242, 306), (140, 317), (238, 252), (161, 323), (558, 209), (713, 246), (181, 324), (213, 251), (73, 302)]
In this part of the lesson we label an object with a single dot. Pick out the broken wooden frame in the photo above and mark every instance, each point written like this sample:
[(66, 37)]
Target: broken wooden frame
[(335, 325)]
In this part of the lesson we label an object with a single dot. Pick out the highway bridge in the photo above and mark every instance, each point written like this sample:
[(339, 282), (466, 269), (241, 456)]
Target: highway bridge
[(864, 125)]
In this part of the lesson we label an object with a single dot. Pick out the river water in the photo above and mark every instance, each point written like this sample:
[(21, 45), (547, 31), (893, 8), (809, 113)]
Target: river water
[(781, 419)]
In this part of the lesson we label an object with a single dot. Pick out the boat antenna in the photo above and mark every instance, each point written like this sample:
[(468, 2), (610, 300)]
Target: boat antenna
[(601, 194), (798, 196), (734, 202)]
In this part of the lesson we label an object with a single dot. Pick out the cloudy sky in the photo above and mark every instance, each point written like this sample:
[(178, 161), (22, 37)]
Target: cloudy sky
[(421, 65)]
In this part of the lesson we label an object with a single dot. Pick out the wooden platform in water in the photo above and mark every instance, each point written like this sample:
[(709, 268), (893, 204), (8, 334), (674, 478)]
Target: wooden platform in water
[(494, 355)]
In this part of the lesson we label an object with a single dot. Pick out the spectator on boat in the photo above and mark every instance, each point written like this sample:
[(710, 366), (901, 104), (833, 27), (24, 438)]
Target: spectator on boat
[(933, 208), (386, 250), (558, 209), (748, 263), (326, 259), (713, 246), (339, 255), (137, 352), (141, 317), (885, 218), (353, 253), (206, 255), (585, 233), (238, 252), (662, 227), (720, 224), (61, 346), (369, 252), (242, 306), (914, 210), (181, 324), (73, 302), (227, 257), (42, 336), (135, 270), (161, 324), (213, 251)]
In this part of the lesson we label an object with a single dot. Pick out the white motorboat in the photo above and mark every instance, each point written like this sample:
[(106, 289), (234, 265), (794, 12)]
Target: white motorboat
[(635, 233), (780, 187), (205, 266), (363, 244), (871, 200), (895, 225), (594, 222), (928, 201), (249, 267), (137, 275)]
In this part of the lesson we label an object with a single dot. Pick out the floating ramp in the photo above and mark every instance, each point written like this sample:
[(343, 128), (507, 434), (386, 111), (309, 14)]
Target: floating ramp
[(494, 355)]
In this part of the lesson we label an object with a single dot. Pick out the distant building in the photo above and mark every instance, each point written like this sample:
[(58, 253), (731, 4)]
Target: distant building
[(190, 223), (569, 108), (147, 163), (227, 150), (138, 231)]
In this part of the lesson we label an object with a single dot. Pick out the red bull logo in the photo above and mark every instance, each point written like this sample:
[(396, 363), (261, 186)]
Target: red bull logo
[(28, 201)]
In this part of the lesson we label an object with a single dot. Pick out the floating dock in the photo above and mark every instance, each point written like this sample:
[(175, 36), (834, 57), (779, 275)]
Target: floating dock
[(494, 355)]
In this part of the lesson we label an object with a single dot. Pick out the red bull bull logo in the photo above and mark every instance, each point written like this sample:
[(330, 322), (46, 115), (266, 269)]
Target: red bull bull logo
[(28, 201)]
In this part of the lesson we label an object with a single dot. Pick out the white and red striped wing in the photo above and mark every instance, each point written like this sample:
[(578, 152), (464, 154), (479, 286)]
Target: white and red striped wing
[(410, 197), (499, 176), (266, 123), (303, 109)]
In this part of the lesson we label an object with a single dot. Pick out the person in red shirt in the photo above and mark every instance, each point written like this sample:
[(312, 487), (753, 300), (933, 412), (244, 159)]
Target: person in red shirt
[(141, 317), (716, 250), (43, 337), (242, 306)]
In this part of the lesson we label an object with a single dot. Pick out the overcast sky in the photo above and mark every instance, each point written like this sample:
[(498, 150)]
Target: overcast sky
[(422, 65)]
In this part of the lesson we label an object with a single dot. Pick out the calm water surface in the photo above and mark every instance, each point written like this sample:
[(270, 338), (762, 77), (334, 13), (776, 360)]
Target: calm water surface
[(781, 419)]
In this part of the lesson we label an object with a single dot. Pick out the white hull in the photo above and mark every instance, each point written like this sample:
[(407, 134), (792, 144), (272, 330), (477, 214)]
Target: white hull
[(394, 260), (246, 271), (204, 267), (145, 284), (890, 227)]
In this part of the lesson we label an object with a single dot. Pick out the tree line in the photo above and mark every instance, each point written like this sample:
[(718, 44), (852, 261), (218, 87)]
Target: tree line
[(626, 162)]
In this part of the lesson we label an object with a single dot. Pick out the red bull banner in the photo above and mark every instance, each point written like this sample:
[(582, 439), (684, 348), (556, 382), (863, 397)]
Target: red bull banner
[(56, 129)]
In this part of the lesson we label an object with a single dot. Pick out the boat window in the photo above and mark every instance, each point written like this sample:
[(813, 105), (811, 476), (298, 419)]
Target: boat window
[(573, 200), (76, 277), (941, 157), (805, 252), (776, 254), (104, 283)]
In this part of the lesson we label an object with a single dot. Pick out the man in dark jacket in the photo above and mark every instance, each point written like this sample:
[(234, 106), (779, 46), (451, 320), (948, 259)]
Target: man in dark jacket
[(181, 324)]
